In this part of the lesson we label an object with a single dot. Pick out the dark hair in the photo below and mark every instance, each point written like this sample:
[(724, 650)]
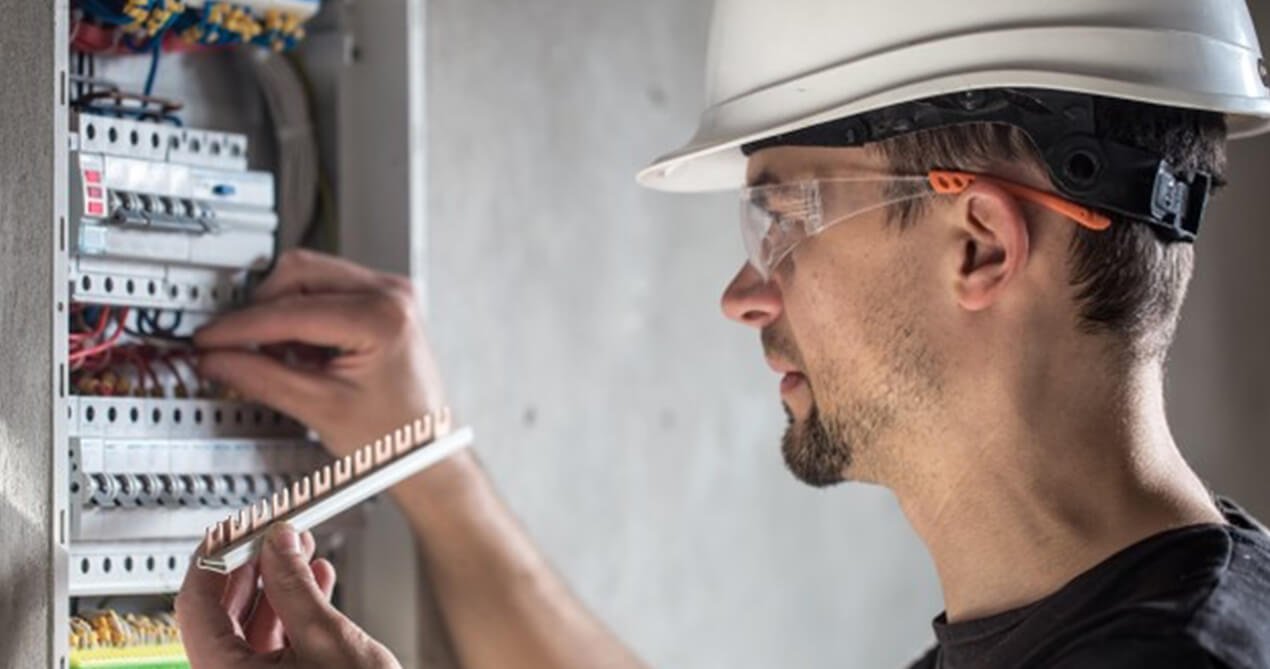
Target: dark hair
[(1129, 283)]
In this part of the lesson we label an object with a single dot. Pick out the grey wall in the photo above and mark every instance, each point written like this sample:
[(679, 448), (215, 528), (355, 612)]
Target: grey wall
[(634, 430), (31, 552), (1219, 375)]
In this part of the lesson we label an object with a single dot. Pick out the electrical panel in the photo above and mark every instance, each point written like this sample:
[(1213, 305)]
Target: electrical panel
[(167, 226), (163, 151)]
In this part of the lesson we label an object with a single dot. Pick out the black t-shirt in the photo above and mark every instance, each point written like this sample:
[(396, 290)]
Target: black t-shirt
[(1195, 597)]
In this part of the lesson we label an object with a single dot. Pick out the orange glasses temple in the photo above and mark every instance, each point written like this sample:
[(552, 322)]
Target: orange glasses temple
[(947, 182)]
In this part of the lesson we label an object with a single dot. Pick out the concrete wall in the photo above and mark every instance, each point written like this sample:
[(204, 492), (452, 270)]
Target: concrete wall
[(1219, 374), (632, 427)]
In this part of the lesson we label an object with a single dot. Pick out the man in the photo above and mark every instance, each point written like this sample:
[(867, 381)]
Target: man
[(970, 236)]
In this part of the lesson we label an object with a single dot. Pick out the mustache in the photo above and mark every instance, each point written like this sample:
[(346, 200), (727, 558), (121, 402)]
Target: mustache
[(779, 345)]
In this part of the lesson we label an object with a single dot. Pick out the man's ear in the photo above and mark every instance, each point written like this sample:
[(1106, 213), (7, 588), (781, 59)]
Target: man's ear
[(993, 233)]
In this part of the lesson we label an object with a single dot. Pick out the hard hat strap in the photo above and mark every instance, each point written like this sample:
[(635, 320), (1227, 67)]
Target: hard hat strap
[(1104, 174)]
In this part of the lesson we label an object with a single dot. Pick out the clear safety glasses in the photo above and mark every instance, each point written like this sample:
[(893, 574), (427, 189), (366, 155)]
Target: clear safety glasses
[(776, 218)]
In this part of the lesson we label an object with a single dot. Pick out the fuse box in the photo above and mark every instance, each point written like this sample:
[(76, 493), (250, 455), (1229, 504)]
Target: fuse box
[(145, 204)]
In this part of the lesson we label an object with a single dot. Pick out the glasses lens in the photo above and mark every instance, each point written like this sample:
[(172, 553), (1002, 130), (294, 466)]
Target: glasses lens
[(774, 219), (755, 222)]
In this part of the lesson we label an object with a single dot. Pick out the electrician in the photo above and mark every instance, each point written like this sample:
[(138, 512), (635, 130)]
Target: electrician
[(970, 233)]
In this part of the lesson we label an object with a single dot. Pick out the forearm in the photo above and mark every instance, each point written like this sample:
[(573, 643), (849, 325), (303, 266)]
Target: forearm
[(503, 604)]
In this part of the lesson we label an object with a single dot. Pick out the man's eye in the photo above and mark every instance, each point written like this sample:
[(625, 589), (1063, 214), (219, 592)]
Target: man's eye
[(787, 224)]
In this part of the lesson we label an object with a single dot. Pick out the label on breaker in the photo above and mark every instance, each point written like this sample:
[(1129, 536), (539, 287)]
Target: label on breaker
[(227, 456), (92, 457), (147, 456)]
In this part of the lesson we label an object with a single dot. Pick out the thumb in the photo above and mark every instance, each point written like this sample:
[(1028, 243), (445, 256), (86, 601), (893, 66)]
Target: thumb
[(294, 593)]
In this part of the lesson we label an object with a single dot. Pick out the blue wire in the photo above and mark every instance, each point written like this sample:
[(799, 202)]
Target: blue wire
[(105, 14), (156, 48), (143, 114)]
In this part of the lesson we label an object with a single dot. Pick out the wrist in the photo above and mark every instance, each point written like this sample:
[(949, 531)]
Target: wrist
[(441, 492)]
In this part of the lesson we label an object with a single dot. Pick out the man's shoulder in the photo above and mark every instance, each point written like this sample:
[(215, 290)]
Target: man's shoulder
[(1231, 621), (1217, 620), (926, 661), (1197, 597), (1122, 652)]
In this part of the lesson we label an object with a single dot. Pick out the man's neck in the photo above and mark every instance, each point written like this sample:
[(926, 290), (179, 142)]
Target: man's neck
[(1025, 501)]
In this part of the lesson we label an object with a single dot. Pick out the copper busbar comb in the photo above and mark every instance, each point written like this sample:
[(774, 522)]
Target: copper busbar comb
[(369, 470)]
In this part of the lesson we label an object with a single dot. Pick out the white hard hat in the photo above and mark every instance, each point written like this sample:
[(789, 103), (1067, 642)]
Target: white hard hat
[(776, 67)]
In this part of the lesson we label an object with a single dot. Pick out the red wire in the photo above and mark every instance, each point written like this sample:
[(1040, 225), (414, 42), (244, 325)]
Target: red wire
[(176, 374), (106, 345), (190, 358), (136, 358), (154, 378)]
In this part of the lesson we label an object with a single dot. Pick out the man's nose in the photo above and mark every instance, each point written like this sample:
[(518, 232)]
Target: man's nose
[(750, 300)]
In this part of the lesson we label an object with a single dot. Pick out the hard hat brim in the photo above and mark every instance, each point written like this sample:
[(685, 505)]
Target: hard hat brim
[(712, 160)]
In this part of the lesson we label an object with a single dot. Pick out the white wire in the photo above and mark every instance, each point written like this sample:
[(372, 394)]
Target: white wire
[(288, 104)]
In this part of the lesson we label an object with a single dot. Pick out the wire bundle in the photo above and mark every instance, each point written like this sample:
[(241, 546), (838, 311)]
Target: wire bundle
[(143, 24), (298, 163), (91, 347), (217, 23), (100, 362), (223, 23)]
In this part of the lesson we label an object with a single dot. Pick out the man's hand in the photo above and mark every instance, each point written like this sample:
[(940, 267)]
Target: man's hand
[(382, 376), (503, 605), (227, 623)]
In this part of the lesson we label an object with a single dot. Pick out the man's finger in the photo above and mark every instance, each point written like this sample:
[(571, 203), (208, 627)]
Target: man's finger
[(206, 627), (264, 631), (346, 321), (240, 594), (324, 574), (292, 589), (295, 392), (301, 271)]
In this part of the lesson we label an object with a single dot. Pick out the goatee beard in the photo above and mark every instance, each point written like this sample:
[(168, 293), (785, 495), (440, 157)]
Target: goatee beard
[(815, 453)]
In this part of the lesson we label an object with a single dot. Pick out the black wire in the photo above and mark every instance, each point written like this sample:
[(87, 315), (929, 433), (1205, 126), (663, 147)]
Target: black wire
[(81, 61), (148, 323), (171, 329)]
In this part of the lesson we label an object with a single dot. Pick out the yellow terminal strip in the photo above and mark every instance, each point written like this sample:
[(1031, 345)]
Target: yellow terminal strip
[(107, 640)]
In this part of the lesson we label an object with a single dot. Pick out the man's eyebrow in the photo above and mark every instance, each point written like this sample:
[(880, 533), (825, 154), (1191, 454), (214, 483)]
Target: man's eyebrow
[(764, 178)]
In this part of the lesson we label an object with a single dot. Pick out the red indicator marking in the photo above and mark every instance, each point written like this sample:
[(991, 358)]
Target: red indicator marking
[(96, 208), (92, 176), (94, 192)]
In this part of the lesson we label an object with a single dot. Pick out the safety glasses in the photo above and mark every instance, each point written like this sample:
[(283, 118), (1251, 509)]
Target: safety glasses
[(777, 218)]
